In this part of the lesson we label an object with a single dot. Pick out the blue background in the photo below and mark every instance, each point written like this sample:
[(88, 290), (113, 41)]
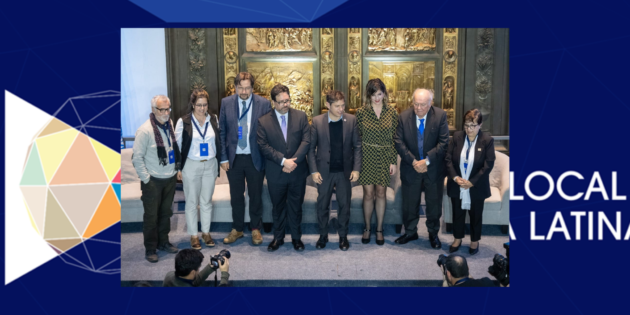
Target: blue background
[(568, 111)]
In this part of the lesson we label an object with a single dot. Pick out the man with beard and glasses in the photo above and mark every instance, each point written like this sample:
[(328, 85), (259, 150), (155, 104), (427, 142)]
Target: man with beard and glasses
[(156, 159), (240, 157)]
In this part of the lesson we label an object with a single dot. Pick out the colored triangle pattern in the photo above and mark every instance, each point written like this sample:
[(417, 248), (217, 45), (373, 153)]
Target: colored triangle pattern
[(57, 223), (55, 125), (33, 172), (117, 190), (54, 148), (80, 165), (64, 245), (35, 198), (79, 202), (117, 178), (109, 158), (108, 213)]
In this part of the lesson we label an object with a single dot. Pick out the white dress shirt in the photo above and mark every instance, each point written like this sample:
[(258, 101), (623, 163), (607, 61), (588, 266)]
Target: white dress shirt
[(194, 153), (425, 128), (286, 118)]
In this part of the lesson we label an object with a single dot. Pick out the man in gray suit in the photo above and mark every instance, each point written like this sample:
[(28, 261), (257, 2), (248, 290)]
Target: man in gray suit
[(421, 140), (334, 160), (240, 155)]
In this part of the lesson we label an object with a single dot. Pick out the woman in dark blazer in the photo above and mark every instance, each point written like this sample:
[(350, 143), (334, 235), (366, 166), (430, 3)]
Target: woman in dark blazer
[(469, 161), (197, 135)]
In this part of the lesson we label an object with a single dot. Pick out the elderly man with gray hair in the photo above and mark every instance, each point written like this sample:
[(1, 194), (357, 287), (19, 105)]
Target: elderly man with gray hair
[(156, 159), (421, 140)]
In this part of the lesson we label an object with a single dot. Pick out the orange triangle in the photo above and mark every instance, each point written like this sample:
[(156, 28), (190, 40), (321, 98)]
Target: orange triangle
[(81, 165), (107, 213)]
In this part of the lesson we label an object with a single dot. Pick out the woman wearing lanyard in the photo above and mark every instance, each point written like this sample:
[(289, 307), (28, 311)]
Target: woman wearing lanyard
[(469, 161), (377, 125), (200, 146)]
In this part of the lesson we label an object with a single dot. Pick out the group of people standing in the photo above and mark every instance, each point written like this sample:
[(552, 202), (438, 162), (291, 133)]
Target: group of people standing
[(249, 140)]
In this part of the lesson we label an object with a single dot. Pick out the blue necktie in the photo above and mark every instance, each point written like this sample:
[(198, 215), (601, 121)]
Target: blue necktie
[(421, 138)]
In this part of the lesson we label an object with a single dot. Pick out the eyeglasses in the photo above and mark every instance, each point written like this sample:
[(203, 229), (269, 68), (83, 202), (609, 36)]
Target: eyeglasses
[(163, 110), (470, 126), (284, 102), (245, 89), (201, 105), (419, 105)]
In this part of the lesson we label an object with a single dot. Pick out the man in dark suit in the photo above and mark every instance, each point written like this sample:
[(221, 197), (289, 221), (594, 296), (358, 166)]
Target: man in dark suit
[(283, 138), (240, 155), (421, 141), (335, 160)]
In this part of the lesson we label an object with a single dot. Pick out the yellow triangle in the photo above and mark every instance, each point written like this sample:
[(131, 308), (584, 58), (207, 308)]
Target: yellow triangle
[(55, 125), (52, 150), (109, 158), (31, 217)]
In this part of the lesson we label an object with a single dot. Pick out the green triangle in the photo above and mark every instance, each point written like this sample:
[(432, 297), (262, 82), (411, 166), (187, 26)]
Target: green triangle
[(33, 172)]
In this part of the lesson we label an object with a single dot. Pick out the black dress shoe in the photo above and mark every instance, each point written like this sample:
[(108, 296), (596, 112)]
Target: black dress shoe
[(435, 241), (366, 240), (381, 242), (298, 245), (274, 245), (321, 242), (169, 248), (406, 238), (473, 251), (343, 243), (453, 249), (151, 256)]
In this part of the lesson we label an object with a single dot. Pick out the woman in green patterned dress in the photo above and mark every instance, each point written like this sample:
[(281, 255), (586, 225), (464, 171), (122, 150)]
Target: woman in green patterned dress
[(377, 125)]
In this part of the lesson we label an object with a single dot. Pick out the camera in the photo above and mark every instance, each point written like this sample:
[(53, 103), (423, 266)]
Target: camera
[(500, 268), (220, 257), (442, 261)]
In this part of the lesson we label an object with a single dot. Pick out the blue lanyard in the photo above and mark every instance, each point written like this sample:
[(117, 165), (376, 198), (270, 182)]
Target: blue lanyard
[(247, 110), (468, 151), (461, 281), (203, 136), (166, 125), (469, 145)]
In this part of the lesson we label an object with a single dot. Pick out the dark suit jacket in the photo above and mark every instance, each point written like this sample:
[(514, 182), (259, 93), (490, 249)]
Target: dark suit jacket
[(228, 124), (435, 144), (274, 148), (482, 166), (187, 136), (319, 153)]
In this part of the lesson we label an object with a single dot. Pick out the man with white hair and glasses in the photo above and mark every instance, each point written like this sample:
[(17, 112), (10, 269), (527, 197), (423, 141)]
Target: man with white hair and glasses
[(156, 159)]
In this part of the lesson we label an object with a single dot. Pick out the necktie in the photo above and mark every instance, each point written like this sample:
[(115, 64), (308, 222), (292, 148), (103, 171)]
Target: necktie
[(284, 127), (421, 138), (242, 143)]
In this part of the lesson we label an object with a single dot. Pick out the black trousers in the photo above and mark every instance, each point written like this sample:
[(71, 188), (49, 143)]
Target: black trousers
[(157, 200), (243, 169), (411, 195), (287, 196), (459, 219), (344, 196)]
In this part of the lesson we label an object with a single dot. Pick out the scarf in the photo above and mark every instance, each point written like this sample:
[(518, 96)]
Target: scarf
[(161, 150), (464, 194)]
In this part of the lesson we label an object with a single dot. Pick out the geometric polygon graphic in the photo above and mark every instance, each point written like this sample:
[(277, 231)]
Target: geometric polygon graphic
[(73, 170), (65, 189)]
